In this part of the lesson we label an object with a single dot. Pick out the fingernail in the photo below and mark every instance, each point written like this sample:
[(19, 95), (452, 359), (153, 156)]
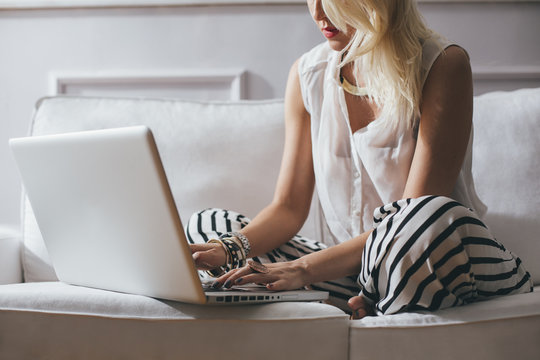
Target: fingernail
[(227, 284), (238, 281), (216, 284)]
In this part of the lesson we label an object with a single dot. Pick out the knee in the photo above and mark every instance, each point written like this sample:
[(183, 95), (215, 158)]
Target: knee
[(425, 217), (444, 219), (435, 200), (217, 220), (415, 207), (440, 206), (206, 212)]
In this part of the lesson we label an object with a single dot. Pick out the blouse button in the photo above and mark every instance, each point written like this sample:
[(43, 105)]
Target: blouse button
[(357, 213), (356, 174)]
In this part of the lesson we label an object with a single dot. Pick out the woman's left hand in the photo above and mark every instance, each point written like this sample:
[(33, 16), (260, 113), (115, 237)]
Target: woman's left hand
[(288, 275)]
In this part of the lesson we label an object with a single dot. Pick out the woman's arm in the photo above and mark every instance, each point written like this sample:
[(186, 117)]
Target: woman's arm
[(284, 216), (445, 126), (331, 263)]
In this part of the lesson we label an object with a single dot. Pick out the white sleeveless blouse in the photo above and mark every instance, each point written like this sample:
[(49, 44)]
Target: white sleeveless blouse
[(358, 172)]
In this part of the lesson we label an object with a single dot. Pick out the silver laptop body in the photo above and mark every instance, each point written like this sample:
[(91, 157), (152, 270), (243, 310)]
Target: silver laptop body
[(109, 220)]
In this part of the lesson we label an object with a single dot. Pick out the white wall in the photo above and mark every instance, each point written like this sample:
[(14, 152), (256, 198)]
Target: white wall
[(130, 51)]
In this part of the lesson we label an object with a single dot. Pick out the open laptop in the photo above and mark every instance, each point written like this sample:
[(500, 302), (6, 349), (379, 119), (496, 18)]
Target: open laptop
[(109, 220)]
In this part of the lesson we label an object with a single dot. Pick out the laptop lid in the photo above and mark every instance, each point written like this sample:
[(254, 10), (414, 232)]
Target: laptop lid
[(109, 220), (106, 214)]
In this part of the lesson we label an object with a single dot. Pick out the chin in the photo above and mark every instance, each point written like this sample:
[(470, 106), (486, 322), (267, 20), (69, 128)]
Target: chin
[(337, 45)]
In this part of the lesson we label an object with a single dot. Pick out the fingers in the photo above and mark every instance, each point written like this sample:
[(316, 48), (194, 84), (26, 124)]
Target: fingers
[(255, 278), (199, 247), (231, 278), (204, 247), (278, 277), (243, 276), (277, 285), (203, 261), (272, 281), (208, 256)]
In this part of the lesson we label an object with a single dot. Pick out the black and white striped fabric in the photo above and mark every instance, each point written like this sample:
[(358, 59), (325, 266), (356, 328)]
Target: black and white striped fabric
[(432, 253), (424, 254)]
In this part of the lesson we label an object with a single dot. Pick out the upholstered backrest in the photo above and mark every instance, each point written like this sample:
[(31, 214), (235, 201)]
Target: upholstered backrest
[(215, 154), (506, 168), (228, 154)]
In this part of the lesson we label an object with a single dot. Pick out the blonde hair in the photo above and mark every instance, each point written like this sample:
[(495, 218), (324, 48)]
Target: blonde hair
[(386, 48)]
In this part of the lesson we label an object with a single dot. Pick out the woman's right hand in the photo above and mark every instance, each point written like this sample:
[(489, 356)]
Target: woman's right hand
[(208, 256)]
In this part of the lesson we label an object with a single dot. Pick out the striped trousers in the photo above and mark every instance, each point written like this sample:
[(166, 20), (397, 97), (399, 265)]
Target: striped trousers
[(427, 253)]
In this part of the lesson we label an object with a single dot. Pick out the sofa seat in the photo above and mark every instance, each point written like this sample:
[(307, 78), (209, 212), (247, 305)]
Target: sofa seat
[(65, 321), (62, 319), (486, 329)]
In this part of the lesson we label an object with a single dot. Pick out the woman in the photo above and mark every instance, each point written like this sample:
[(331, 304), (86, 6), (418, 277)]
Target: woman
[(381, 111)]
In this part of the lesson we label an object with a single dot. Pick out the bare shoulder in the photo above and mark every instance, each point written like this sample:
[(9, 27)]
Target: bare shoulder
[(450, 71), (454, 60), (294, 77), (294, 103), (454, 56), (449, 81)]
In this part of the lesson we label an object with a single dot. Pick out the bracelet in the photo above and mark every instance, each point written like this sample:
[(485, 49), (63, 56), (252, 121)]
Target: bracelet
[(239, 244), (235, 256), (217, 272), (243, 239)]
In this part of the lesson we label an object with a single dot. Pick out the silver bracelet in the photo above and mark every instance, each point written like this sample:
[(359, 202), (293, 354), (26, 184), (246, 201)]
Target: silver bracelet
[(243, 239)]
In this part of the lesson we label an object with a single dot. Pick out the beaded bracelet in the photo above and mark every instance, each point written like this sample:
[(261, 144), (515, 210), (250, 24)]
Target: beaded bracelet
[(243, 239), (240, 246), (236, 248), (237, 258)]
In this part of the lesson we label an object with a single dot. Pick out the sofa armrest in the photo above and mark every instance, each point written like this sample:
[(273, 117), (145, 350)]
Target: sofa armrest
[(10, 256)]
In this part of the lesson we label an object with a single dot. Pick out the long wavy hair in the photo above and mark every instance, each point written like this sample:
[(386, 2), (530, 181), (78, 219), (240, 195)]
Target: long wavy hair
[(386, 48)]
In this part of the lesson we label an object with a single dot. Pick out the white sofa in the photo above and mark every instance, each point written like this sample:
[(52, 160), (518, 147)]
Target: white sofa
[(203, 146)]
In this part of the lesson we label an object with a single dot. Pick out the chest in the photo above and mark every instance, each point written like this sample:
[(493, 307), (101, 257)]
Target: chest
[(361, 111)]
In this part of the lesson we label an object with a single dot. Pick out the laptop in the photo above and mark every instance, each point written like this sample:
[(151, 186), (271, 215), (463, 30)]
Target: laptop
[(109, 220)]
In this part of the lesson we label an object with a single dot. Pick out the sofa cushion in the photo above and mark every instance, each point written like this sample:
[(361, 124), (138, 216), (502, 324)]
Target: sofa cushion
[(58, 297), (10, 258), (506, 169), (65, 321), (481, 330), (215, 154)]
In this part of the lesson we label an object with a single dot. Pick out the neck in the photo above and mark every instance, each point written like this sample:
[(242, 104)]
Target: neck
[(350, 86), (348, 73)]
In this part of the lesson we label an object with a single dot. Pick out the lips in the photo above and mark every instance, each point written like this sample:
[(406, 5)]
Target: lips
[(329, 32)]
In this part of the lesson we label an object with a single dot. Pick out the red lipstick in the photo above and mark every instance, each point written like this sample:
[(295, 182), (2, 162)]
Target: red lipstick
[(329, 32)]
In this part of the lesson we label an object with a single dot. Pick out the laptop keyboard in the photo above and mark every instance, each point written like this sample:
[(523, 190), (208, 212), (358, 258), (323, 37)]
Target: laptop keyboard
[(207, 287)]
